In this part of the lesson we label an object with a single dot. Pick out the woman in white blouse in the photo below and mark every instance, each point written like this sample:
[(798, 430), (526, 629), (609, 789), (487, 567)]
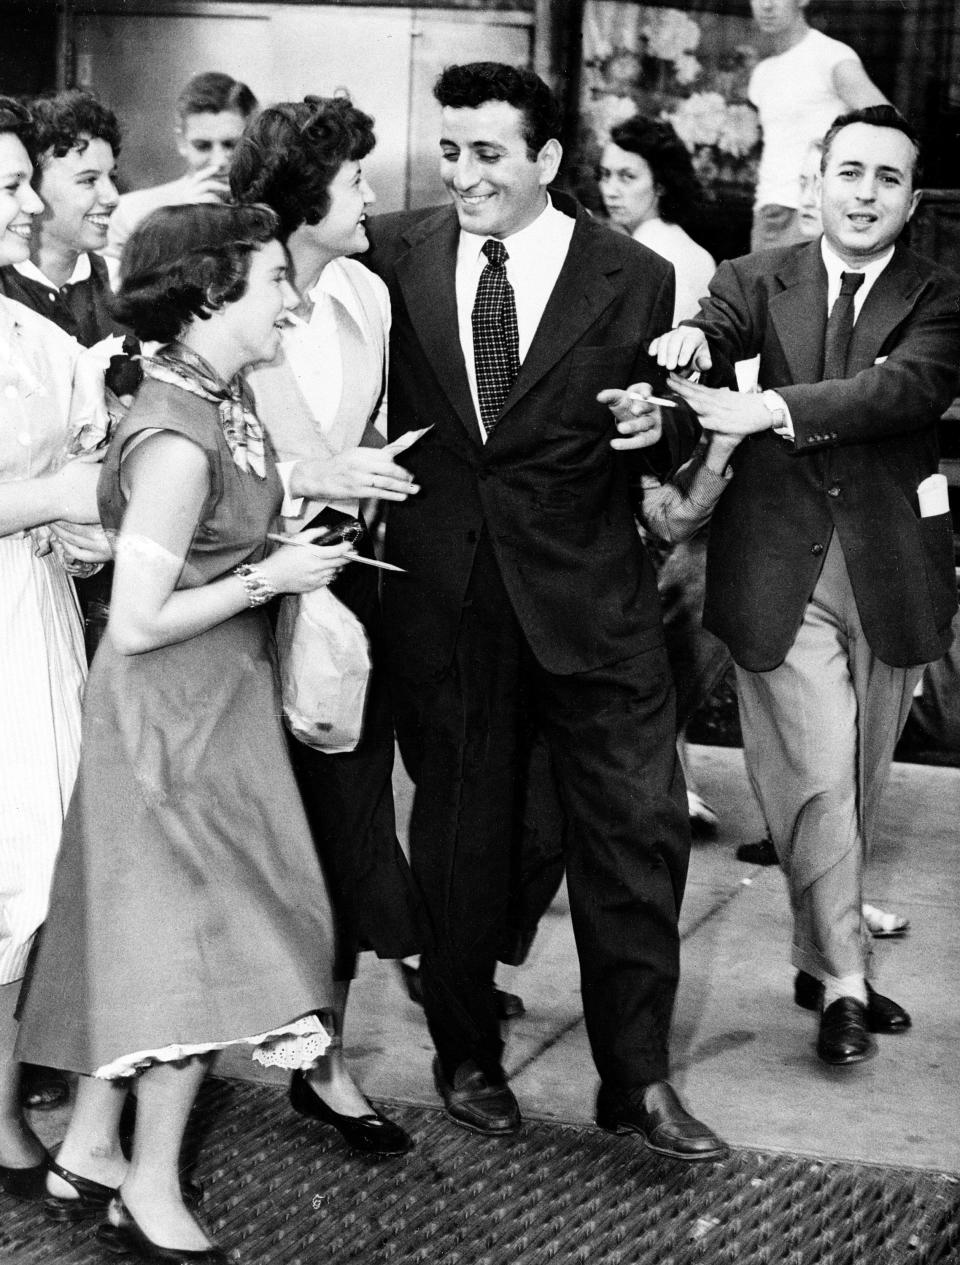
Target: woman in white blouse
[(649, 188), (42, 660), (323, 403)]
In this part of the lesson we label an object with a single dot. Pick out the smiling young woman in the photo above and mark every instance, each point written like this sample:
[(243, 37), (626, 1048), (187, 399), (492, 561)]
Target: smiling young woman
[(188, 911)]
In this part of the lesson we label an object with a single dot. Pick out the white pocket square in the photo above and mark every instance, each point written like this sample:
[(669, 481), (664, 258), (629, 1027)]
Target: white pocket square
[(879, 360)]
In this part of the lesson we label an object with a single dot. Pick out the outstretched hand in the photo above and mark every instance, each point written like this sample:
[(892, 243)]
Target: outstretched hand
[(683, 349), (734, 413), (355, 474), (639, 423)]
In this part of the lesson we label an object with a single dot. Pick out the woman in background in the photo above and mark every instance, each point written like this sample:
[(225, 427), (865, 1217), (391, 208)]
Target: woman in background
[(323, 402), (649, 189)]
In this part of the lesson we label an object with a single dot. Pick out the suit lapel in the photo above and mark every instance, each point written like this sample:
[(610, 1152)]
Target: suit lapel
[(891, 298), (799, 313), (583, 290), (426, 275)]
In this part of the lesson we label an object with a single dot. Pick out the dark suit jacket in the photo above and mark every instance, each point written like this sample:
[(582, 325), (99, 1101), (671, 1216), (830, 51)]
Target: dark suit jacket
[(553, 496), (863, 444)]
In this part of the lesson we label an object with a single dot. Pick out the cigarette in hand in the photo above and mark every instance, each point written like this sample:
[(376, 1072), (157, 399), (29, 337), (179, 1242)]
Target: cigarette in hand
[(651, 399)]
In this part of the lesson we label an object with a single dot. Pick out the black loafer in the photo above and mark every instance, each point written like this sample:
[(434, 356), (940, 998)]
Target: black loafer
[(476, 1102), (25, 1183), (125, 1238), (844, 1037), (509, 1005), (93, 1197), (658, 1116), (884, 1016), (373, 1134)]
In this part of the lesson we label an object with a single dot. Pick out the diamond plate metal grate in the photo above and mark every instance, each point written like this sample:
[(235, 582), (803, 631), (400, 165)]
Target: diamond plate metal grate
[(284, 1191)]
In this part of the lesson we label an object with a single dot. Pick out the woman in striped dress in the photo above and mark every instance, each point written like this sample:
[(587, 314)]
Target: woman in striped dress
[(42, 662)]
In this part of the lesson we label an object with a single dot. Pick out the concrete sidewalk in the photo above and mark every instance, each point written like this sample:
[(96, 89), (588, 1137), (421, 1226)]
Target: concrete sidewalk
[(743, 1053)]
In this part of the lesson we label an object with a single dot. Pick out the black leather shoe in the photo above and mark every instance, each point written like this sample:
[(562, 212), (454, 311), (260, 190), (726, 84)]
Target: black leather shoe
[(509, 1005), (93, 1197), (844, 1037), (123, 1236), (476, 1102), (373, 1134), (25, 1183), (42, 1088), (658, 1116), (884, 1016), (760, 853)]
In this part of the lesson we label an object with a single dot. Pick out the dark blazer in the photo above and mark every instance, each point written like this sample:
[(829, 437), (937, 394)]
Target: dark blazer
[(863, 444), (554, 498)]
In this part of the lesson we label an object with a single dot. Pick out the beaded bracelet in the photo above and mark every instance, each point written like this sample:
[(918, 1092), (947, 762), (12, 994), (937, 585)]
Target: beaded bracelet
[(259, 589)]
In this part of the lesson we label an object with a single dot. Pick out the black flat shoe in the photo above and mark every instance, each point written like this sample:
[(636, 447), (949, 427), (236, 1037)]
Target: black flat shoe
[(658, 1116), (476, 1102), (372, 1134), (844, 1037), (93, 1197), (127, 1239), (25, 1183), (884, 1016)]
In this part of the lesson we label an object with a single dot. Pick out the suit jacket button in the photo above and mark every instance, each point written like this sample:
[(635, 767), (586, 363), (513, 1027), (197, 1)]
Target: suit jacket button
[(834, 490), (816, 550)]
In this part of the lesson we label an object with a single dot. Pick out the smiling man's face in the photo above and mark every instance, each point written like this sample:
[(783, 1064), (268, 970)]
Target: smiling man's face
[(497, 187), (867, 193)]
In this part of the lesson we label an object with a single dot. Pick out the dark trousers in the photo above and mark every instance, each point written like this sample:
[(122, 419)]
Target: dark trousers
[(348, 798), (610, 732)]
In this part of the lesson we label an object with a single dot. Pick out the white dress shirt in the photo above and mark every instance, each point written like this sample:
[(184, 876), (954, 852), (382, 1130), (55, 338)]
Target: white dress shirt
[(835, 266), (535, 257)]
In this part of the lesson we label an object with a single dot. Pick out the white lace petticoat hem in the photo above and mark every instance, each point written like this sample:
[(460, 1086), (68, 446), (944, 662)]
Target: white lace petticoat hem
[(296, 1045)]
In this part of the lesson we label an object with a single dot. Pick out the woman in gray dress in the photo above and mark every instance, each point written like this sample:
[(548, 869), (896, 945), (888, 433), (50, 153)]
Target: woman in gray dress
[(188, 910)]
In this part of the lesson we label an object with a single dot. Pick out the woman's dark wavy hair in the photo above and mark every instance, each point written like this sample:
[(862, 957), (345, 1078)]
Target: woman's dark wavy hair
[(17, 120), (69, 120), (676, 182), (474, 84), (290, 153), (185, 262)]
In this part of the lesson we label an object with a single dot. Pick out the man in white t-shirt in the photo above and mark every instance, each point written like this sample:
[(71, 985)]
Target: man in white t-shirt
[(799, 89)]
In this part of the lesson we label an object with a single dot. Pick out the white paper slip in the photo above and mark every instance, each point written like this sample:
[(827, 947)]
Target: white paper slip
[(933, 496)]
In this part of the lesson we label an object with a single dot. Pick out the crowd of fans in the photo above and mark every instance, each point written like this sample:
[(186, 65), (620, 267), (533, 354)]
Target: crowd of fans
[(212, 392)]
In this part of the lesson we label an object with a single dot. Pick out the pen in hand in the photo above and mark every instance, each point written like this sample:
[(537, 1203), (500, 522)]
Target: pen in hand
[(353, 557)]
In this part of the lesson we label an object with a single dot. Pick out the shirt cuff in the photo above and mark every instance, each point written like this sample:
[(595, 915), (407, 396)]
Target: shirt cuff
[(783, 428), (292, 505)]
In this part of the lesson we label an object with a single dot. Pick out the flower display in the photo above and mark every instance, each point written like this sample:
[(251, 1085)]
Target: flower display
[(690, 70), (669, 34)]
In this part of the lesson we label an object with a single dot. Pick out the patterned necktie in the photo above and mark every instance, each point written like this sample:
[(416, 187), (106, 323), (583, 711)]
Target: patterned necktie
[(836, 340), (496, 341)]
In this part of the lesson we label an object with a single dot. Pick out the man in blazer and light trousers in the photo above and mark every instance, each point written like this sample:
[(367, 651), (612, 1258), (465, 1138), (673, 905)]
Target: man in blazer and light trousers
[(830, 571), (529, 605)]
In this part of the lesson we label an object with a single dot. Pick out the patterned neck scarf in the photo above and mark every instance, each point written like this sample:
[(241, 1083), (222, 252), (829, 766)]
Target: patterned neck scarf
[(181, 367)]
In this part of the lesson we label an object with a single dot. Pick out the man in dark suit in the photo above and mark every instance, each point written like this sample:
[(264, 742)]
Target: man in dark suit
[(830, 572), (529, 604)]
